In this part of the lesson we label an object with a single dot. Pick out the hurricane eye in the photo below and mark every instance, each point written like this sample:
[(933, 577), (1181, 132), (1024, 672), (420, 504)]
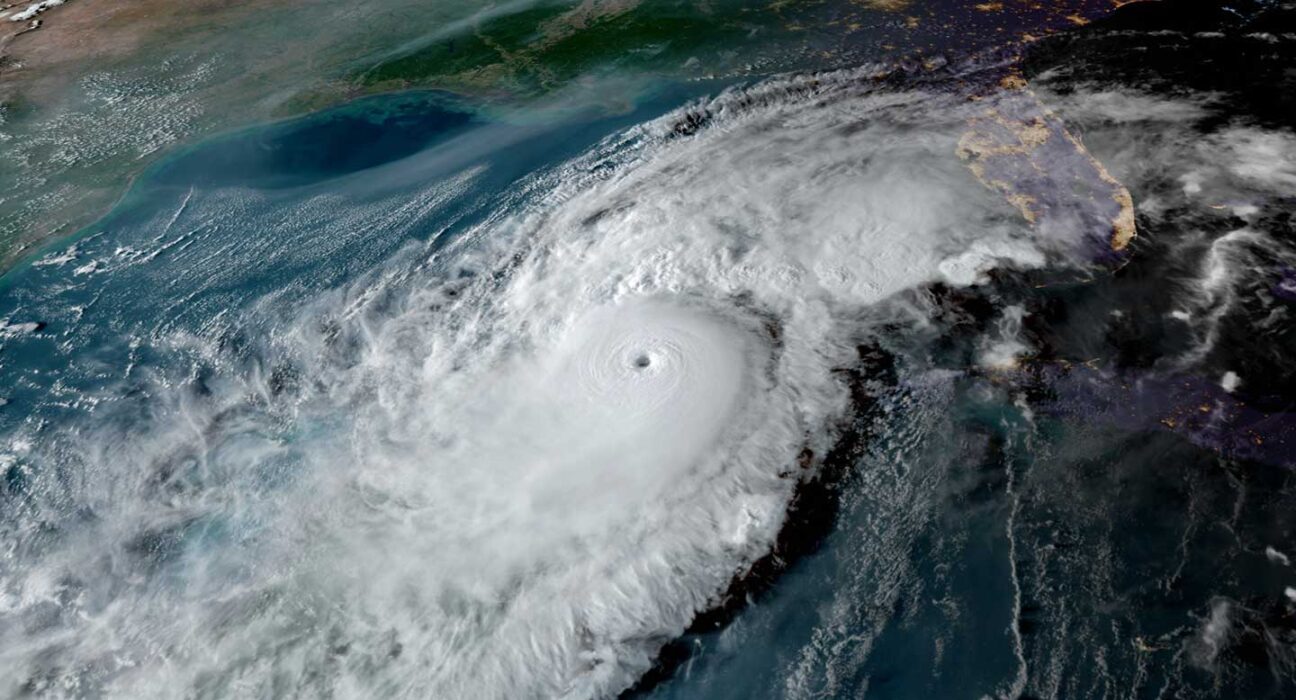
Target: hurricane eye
[(642, 361)]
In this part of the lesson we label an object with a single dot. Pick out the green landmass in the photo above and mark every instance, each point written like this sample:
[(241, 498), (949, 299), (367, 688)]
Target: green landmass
[(74, 138), (547, 47)]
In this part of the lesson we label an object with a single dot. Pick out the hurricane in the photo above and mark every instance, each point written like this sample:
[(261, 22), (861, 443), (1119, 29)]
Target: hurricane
[(512, 411), (535, 453)]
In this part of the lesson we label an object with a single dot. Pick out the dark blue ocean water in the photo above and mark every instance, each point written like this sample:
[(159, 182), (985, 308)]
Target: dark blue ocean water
[(220, 225), (230, 222), (975, 544)]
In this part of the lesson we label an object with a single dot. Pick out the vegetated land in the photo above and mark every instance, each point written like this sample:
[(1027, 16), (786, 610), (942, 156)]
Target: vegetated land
[(100, 89)]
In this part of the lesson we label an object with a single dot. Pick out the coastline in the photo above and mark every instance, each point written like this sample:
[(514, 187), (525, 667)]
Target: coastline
[(81, 39)]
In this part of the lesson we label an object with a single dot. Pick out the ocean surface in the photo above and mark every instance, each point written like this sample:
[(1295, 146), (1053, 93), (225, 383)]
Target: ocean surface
[(749, 389)]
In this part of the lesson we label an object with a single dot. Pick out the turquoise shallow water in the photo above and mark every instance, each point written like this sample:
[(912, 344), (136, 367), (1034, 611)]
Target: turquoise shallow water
[(219, 226)]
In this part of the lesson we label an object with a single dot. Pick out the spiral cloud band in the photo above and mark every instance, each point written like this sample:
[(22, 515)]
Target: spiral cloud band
[(521, 464)]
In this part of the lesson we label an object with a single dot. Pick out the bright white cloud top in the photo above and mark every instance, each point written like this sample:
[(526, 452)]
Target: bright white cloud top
[(522, 465)]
